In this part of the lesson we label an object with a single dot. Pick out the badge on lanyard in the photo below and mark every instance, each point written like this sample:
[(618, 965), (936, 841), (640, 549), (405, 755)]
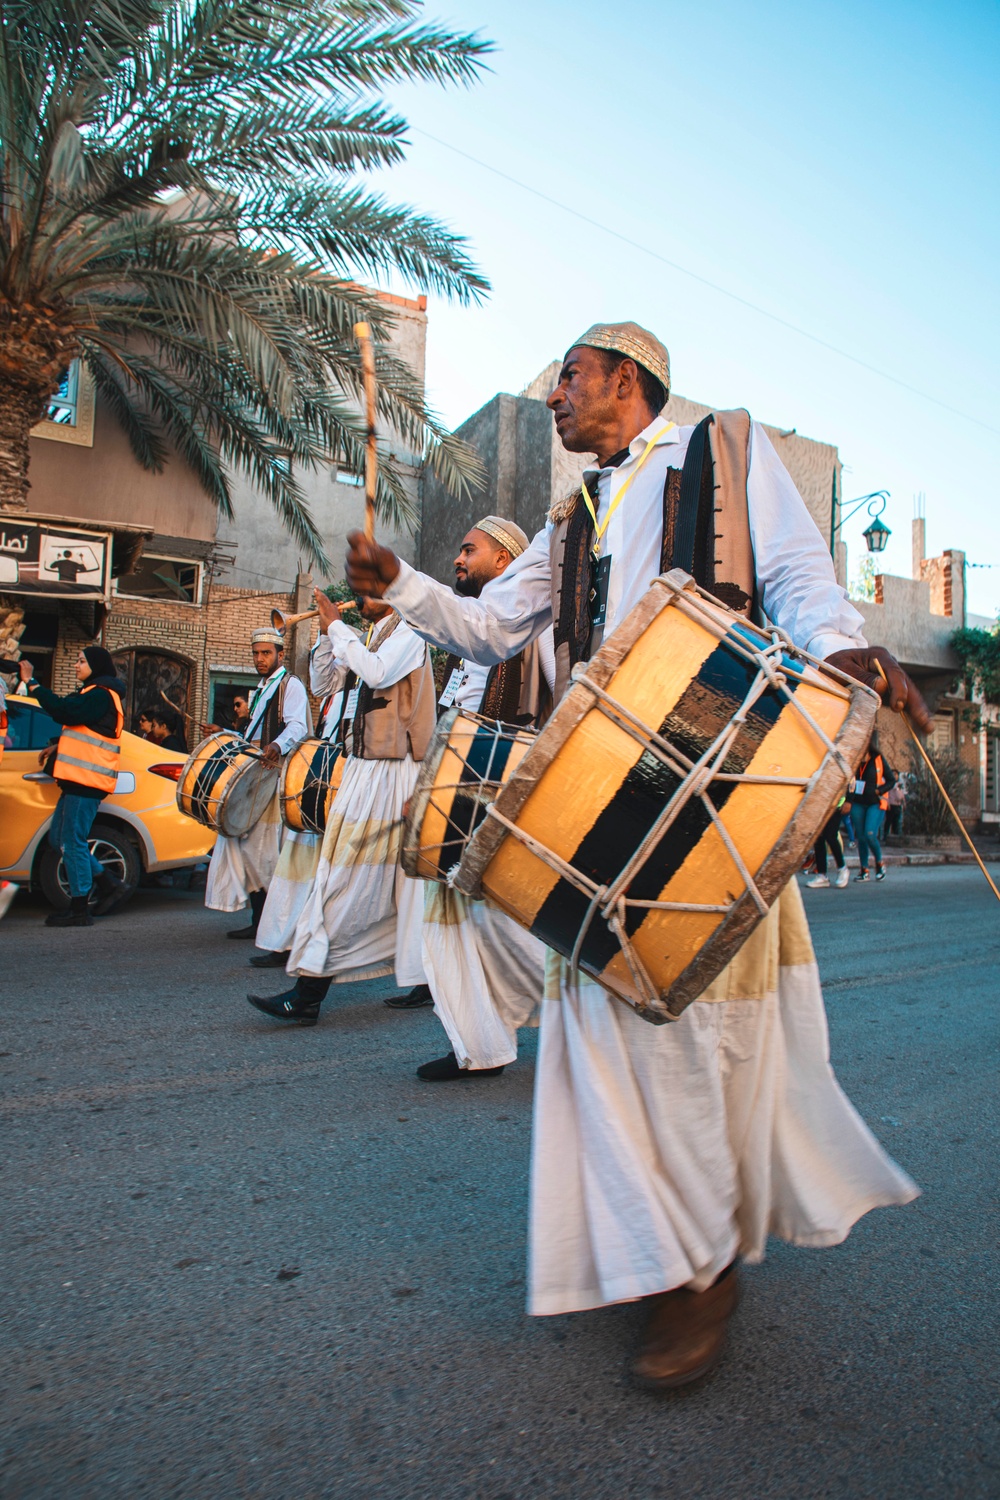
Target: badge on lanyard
[(597, 599), (452, 686), (351, 706)]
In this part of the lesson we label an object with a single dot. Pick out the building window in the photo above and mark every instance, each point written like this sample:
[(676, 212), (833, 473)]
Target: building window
[(224, 690), (941, 735), (173, 579), (991, 798), (70, 417)]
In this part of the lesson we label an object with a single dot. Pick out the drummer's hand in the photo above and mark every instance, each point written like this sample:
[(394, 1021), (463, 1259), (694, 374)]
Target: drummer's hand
[(370, 568), (26, 670), (271, 754), (329, 610), (897, 690)]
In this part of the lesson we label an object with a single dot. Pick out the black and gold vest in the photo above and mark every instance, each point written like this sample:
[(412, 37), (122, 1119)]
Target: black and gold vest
[(706, 531)]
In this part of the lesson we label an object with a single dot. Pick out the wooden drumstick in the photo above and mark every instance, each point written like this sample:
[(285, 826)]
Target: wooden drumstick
[(363, 334), (948, 802), (190, 717)]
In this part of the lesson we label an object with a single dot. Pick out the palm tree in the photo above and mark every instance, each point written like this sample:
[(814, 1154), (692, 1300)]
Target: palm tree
[(181, 210)]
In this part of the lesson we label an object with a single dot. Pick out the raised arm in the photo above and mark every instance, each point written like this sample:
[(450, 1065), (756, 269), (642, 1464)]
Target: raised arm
[(513, 611), (400, 654)]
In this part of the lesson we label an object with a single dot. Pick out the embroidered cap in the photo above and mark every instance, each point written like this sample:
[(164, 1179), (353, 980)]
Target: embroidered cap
[(505, 532), (266, 635), (635, 342)]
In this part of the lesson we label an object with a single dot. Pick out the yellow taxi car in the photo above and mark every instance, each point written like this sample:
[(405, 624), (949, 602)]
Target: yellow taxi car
[(138, 829)]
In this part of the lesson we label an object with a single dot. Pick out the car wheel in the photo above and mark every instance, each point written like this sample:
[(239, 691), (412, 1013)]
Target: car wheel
[(114, 849)]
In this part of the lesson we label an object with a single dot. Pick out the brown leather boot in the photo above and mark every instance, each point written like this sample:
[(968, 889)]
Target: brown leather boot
[(686, 1333)]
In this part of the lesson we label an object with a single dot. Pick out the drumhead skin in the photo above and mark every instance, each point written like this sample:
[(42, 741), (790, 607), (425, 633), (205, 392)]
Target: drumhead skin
[(467, 761), (225, 785), (309, 780), (589, 793)]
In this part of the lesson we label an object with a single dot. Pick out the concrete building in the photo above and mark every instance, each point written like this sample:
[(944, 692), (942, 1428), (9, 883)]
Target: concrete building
[(915, 618)]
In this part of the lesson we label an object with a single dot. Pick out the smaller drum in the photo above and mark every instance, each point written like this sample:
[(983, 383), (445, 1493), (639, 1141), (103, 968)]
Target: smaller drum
[(309, 780), (225, 785), (467, 762)]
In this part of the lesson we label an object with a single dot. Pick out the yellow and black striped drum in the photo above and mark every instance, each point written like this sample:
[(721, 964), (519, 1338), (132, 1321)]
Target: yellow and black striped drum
[(309, 780), (225, 785), (467, 762), (670, 798)]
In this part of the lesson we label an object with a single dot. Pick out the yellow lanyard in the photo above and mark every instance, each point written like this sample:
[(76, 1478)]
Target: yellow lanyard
[(600, 530), (371, 632)]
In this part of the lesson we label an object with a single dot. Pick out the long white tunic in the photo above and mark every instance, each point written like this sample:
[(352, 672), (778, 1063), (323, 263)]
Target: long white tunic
[(239, 866), (348, 927), (660, 1152), (486, 973), (299, 859)]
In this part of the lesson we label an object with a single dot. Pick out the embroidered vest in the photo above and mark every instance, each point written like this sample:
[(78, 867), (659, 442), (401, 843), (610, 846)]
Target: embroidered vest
[(706, 531), (516, 690), (391, 722)]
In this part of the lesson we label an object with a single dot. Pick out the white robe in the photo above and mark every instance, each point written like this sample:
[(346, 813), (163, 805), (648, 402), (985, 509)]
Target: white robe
[(347, 929), (659, 1152), (485, 973), (299, 859)]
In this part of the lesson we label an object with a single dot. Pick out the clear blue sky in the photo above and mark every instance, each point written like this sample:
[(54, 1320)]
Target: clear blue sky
[(836, 164)]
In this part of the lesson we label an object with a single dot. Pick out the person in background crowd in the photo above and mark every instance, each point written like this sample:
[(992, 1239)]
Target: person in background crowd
[(869, 799), (8, 668), (241, 712), (144, 724), (897, 804), (167, 729), (86, 768), (830, 839)]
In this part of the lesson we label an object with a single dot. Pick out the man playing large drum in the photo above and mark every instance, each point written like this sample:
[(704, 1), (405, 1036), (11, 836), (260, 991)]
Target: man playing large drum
[(485, 973), (240, 870), (662, 1155)]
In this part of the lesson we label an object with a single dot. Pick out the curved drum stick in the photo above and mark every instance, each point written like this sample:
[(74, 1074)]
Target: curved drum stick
[(363, 334), (948, 802)]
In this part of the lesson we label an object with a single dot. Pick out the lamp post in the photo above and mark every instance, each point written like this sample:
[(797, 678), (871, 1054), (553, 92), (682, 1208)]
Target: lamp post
[(877, 534)]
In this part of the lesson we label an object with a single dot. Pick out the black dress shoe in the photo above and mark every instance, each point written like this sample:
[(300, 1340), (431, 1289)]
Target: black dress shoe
[(418, 996), (270, 960), (289, 1006), (243, 933), (446, 1070)]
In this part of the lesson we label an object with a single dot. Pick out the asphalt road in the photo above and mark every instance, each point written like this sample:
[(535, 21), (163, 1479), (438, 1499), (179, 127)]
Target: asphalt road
[(242, 1260)]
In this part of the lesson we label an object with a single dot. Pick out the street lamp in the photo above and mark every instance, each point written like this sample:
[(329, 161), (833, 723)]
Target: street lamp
[(877, 534)]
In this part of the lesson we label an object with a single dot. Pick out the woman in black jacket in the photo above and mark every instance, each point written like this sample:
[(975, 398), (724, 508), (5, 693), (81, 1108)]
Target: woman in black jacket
[(84, 769)]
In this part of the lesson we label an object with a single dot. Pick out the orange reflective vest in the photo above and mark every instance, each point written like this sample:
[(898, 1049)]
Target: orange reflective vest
[(87, 757)]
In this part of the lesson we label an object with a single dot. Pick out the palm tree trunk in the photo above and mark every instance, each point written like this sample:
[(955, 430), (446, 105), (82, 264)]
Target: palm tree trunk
[(18, 414)]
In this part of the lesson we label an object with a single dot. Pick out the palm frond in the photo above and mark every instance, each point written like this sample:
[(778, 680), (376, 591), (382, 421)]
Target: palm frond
[(181, 201)]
